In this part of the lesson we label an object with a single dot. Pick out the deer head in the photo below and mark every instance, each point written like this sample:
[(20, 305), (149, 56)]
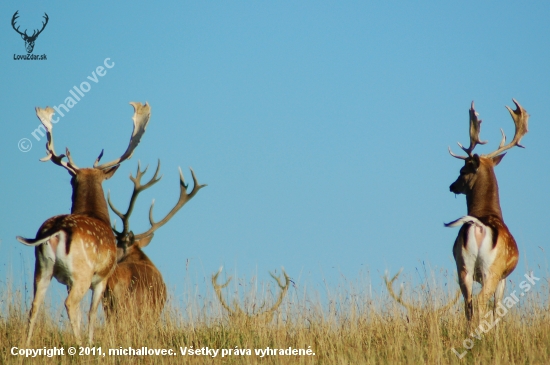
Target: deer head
[(29, 40), (477, 176), (88, 197), (259, 316)]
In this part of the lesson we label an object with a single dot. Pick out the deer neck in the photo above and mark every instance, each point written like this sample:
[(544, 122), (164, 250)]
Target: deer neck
[(89, 199), (137, 255), (483, 199)]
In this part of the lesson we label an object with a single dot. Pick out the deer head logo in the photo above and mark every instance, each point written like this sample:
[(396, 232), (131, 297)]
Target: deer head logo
[(29, 40)]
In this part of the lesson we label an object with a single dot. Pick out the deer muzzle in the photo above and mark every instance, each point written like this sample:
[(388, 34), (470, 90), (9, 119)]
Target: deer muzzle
[(457, 187)]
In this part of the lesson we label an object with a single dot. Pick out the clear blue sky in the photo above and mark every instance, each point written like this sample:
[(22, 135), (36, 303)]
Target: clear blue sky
[(321, 128)]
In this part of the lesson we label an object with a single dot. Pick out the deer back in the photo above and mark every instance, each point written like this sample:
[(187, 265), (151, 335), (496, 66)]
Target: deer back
[(77, 241), (136, 286)]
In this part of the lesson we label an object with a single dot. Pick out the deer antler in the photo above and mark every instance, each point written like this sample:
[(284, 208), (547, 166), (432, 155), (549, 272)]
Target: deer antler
[(237, 312), (141, 118), (142, 113), (183, 199), (475, 128), (45, 116), (521, 119), (138, 188), (410, 307)]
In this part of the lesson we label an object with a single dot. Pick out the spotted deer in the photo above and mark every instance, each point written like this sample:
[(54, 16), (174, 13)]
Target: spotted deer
[(136, 287), (484, 250), (259, 316), (79, 249)]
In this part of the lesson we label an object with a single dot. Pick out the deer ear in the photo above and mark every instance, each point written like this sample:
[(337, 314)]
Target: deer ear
[(109, 172), (144, 241), (497, 159), (476, 161)]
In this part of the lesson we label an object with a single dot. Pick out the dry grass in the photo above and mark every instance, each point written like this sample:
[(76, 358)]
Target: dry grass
[(350, 327)]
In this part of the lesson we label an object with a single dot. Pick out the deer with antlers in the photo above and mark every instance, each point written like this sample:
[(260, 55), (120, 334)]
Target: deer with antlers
[(136, 284), (484, 250), (79, 249), (259, 316)]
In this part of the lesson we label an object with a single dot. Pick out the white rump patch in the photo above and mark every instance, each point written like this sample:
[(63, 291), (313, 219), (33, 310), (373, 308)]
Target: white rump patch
[(477, 249)]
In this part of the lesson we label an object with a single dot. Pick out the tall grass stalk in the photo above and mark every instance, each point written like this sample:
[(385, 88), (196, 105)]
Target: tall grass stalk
[(347, 326)]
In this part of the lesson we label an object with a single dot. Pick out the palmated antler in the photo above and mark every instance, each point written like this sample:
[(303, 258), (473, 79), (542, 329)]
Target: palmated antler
[(141, 118), (45, 116), (138, 188), (410, 307), (521, 119), (235, 311), (142, 113), (475, 129)]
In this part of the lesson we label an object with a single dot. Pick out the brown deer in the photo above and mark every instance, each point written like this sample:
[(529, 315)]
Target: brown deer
[(136, 286), (259, 316), (79, 249), (484, 249)]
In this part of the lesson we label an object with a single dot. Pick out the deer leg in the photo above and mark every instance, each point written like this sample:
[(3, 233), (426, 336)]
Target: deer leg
[(465, 267), (108, 305), (76, 293), (490, 284), (499, 292), (466, 284), (43, 272), (97, 294)]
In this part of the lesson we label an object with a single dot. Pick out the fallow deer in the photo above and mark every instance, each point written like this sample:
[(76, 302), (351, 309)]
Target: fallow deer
[(259, 316), (484, 250), (79, 249), (136, 286)]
